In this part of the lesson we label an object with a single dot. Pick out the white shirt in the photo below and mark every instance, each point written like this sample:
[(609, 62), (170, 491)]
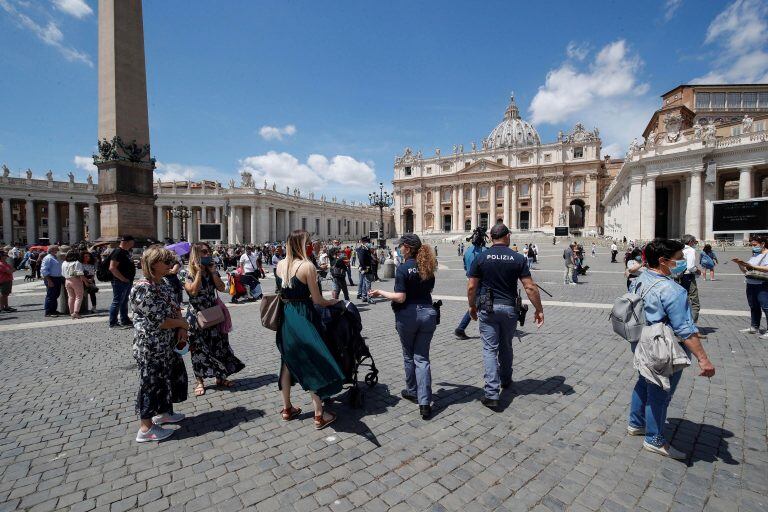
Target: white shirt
[(759, 260), (614, 247), (689, 253), (248, 262), (72, 269), (323, 261)]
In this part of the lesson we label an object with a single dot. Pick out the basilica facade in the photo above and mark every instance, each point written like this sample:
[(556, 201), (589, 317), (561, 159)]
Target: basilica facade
[(512, 177)]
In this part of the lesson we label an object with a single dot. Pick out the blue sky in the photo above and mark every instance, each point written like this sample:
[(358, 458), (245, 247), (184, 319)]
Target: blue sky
[(323, 95)]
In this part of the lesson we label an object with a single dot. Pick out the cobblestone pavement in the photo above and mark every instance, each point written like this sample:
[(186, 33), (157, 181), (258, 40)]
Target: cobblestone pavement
[(68, 425)]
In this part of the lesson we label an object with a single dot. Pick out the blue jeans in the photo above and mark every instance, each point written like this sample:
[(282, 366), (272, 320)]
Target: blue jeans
[(52, 295), (416, 324), (464, 322), (757, 298), (349, 275), (120, 291), (649, 406), (363, 286), (496, 331)]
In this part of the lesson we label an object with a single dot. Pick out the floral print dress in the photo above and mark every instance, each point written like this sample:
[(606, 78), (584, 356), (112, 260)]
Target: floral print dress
[(162, 374), (212, 357)]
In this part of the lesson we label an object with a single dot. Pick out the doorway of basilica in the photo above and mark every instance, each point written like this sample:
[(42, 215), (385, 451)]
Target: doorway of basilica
[(408, 221), (447, 223), (525, 220)]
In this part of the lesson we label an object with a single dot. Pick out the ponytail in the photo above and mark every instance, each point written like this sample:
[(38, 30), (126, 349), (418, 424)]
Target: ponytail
[(426, 262)]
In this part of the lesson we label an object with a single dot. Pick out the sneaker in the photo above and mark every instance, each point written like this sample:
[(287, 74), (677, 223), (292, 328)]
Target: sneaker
[(459, 333), (160, 419), (635, 431), (490, 403), (409, 397), (764, 336), (155, 433), (126, 325), (669, 451), (113, 326), (751, 330)]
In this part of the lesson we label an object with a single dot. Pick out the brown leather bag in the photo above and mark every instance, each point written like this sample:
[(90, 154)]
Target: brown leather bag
[(209, 317), (271, 309)]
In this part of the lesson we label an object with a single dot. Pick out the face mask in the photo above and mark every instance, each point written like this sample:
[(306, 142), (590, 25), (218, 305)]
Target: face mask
[(639, 258), (679, 268), (206, 261), (181, 351), (756, 249)]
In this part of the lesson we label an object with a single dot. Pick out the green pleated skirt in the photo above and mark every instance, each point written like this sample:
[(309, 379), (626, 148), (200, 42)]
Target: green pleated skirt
[(304, 352)]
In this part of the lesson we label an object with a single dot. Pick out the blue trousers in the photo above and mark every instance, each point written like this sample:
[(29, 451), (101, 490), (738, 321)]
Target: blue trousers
[(52, 295), (120, 291), (649, 405), (363, 286), (496, 331), (416, 324), (464, 322), (757, 298)]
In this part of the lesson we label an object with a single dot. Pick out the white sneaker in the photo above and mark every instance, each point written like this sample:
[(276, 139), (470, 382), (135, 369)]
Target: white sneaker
[(155, 433), (635, 431), (764, 336), (751, 330), (670, 452), (167, 418)]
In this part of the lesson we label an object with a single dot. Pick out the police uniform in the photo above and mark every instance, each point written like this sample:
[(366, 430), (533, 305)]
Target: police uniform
[(498, 270), (415, 321)]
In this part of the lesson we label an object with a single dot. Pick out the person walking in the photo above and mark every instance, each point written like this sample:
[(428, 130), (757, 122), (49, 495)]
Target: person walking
[(757, 289), (160, 337), (594, 250), (708, 260), (476, 248), (212, 356), (614, 252), (634, 266), (6, 281), (415, 318), (304, 356), (123, 271), (338, 271), (492, 296), (73, 273), (348, 262), (663, 301), (50, 269), (569, 258)]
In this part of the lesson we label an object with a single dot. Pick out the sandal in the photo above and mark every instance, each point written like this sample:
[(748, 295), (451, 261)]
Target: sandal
[(200, 390), (224, 383), (321, 422), (289, 414)]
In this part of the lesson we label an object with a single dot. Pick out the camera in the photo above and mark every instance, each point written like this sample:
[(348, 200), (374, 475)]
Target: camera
[(478, 237)]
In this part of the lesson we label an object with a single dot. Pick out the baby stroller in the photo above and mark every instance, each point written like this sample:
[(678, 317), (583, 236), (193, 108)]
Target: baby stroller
[(235, 286), (341, 332)]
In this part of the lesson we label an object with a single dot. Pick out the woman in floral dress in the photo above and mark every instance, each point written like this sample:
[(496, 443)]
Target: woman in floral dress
[(212, 357), (158, 329)]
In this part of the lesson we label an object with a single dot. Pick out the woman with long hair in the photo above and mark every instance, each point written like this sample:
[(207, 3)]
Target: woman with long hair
[(304, 356), (212, 357), (89, 267), (158, 329), (415, 317), (757, 289)]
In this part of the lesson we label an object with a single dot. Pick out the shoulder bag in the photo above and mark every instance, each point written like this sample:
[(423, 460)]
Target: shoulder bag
[(760, 275)]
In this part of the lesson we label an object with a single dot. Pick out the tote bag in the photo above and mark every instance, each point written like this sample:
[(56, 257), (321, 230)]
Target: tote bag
[(271, 309)]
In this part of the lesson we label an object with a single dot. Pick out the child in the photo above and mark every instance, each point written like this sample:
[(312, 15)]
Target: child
[(708, 260)]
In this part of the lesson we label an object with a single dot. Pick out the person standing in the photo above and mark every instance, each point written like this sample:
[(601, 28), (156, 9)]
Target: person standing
[(476, 248), (492, 296), (338, 272), (212, 356), (688, 279), (594, 250), (6, 281), (614, 251), (415, 318), (663, 301), (123, 271), (74, 275), (364, 262), (757, 290), (50, 269), (89, 268), (708, 260), (570, 263), (348, 263)]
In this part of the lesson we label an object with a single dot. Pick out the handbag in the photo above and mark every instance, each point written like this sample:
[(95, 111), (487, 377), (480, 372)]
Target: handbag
[(271, 310), (209, 317), (756, 274)]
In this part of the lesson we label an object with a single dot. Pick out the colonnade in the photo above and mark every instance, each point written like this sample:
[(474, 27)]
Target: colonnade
[(25, 219)]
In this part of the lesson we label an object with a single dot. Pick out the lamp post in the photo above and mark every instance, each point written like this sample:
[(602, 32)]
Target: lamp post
[(183, 213), (382, 200)]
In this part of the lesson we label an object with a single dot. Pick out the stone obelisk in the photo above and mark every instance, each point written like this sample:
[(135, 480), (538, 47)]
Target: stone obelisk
[(125, 166)]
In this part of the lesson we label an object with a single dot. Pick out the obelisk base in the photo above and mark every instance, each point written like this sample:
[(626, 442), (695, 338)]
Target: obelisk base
[(126, 200)]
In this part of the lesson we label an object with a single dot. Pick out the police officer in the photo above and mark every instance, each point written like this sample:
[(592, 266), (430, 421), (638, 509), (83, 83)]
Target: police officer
[(492, 296), (415, 317)]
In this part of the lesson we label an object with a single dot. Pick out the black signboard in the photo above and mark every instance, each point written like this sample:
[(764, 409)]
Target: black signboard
[(561, 231), (735, 216), (210, 231), (373, 235)]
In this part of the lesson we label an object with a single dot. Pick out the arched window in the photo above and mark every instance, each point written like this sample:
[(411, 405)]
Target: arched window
[(547, 188)]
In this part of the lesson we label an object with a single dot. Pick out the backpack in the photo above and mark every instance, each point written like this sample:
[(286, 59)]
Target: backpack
[(706, 261), (628, 316), (102, 270)]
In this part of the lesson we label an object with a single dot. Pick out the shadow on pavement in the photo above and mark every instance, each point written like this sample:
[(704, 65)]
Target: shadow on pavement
[(449, 394), (376, 400), (702, 442), (215, 421), (548, 386), (249, 383)]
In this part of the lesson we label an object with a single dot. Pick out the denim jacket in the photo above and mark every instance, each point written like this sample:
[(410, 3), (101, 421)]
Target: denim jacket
[(666, 302)]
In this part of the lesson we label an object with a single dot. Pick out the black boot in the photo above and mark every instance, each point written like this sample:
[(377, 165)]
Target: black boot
[(425, 411)]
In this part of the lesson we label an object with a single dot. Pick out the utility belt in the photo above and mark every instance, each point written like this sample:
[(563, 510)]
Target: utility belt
[(486, 300)]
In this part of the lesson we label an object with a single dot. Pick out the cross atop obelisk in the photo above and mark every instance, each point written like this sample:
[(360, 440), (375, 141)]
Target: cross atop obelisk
[(124, 161)]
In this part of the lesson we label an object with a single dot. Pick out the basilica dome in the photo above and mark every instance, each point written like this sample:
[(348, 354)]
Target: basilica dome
[(513, 131)]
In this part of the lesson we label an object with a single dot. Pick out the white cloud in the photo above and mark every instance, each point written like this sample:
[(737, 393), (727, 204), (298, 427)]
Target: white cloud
[(670, 8), (318, 173), (50, 34), (85, 163), (607, 93), (276, 133), (741, 34), (578, 51), (77, 8), (181, 172)]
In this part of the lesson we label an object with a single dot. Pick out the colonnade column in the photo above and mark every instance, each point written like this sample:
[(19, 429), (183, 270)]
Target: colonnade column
[(53, 222), (160, 222), (272, 224), (286, 224), (73, 223), (176, 228), (254, 224), (745, 182), (534, 204), (7, 221), (635, 198), (460, 210), (514, 225), (710, 194), (263, 219), (31, 222), (506, 203), (224, 221), (93, 222), (648, 210), (192, 225), (473, 206), (693, 210)]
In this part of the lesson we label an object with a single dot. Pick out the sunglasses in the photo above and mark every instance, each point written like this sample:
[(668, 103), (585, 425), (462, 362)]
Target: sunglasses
[(169, 261)]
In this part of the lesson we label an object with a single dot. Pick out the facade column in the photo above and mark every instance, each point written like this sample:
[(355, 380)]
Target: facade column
[(710, 194), (176, 228), (93, 221), (745, 183), (648, 210), (506, 203), (418, 210), (160, 222), (473, 206), (632, 229), (224, 220), (460, 210), (514, 224), (254, 225), (53, 222), (263, 221), (286, 224), (8, 221), (192, 226), (491, 204), (73, 223), (455, 208), (534, 204), (273, 224), (31, 222), (693, 211), (594, 202), (559, 195)]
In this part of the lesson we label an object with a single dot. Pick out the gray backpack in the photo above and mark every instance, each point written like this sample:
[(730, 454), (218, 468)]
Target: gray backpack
[(628, 316)]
